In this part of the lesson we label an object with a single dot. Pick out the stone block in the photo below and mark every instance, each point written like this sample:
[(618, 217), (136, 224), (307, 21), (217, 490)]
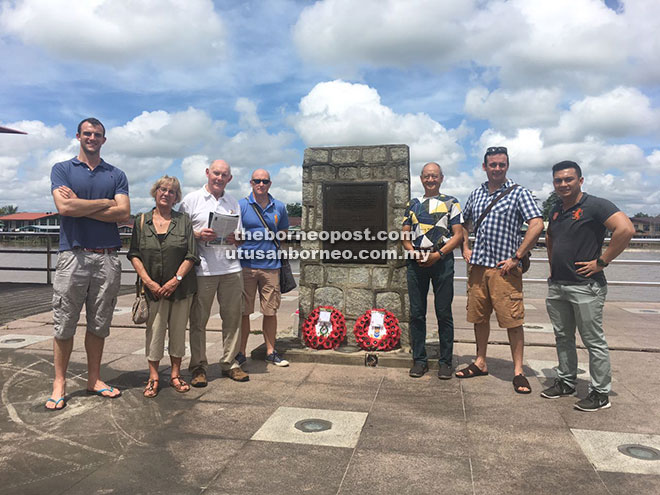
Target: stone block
[(309, 245), (385, 172), (380, 277), (403, 171), (312, 274), (348, 173), (401, 193), (397, 215), (336, 275), (323, 172), (316, 155), (391, 301), (358, 301), (365, 172), (358, 276), (375, 154), (329, 296), (405, 336), (401, 152), (406, 307), (305, 300), (308, 193), (345, 155), (399, 279)]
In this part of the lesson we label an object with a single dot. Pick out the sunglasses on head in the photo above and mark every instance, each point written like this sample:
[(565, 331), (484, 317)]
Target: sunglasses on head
[(496, 150), (261, 181)]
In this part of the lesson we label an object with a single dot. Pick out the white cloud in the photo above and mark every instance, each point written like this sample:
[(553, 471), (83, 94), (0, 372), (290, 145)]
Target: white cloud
[(390, 32), (621, 112), (339, 113), (577, 41), (145, 148), (119, 32), (529, 107), (165, 134)]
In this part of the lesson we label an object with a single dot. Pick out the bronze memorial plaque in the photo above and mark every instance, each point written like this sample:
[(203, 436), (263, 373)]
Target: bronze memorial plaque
[(361, 210)]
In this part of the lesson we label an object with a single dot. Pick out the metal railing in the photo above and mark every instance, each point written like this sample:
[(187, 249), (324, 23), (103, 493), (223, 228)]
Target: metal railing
[(51, 249)]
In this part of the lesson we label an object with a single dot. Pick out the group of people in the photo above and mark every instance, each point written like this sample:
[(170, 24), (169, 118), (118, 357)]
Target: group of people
[(495, 213), (183, 267), (180, 262)]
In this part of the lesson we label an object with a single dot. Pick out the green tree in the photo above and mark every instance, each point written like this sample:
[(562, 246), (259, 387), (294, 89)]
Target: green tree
[(548, 204), (641, 215), (8, 210), (294, 209)]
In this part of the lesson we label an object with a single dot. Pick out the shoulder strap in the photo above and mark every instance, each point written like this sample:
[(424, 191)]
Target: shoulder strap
[(492, 203), (256, 210)]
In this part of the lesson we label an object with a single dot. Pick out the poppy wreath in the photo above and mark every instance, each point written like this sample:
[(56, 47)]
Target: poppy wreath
[(387, 341), (333, 338)]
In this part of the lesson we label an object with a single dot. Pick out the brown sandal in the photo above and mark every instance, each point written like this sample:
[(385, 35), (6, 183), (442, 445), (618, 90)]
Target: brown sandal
[(182, 386), (152, 389)]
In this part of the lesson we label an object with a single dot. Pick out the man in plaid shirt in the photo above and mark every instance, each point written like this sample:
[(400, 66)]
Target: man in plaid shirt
[(495, 276)]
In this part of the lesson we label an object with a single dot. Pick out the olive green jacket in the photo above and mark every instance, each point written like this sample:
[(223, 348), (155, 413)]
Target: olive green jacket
[(162, 260)]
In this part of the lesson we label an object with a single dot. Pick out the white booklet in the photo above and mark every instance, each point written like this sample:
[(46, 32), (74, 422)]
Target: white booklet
[(222, 224)]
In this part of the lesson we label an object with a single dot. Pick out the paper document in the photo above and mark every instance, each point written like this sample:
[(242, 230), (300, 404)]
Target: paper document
[(222, 224)]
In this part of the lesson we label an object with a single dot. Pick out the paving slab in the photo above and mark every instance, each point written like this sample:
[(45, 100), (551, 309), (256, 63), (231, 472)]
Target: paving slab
[(418, 435)]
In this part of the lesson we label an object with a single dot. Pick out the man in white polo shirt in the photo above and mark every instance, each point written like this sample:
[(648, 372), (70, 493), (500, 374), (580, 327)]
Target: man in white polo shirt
[(218, 275)]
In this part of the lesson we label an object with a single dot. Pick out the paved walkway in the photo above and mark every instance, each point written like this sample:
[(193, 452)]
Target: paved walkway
[(390, 433)]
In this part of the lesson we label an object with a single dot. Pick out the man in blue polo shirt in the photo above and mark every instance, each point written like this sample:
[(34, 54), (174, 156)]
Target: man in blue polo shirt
[(91, 196), (260, 262)]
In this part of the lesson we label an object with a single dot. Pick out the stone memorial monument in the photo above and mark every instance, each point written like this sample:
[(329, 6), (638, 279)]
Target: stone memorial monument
[(349, 190)]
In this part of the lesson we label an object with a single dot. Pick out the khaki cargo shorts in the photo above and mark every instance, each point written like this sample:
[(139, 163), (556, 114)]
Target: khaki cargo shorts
[(488, 289), (92, 279), (267, 283)]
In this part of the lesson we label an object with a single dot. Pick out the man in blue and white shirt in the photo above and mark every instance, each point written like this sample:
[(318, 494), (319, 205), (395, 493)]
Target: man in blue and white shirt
[(495, 277)]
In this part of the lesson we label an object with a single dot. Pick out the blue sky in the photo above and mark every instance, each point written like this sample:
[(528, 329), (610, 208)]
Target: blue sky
[(179, 83)]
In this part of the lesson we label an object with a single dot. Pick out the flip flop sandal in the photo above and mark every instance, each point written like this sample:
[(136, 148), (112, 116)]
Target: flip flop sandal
[(470, 371), (100, 393), (520, 381), (152, 389), (51, 409), (181, 387)]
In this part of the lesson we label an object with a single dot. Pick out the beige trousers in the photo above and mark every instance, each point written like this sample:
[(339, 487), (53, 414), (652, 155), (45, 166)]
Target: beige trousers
[(228, 289), (167, 315)]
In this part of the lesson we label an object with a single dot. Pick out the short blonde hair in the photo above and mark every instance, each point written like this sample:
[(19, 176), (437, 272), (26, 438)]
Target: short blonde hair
[(172, 181)]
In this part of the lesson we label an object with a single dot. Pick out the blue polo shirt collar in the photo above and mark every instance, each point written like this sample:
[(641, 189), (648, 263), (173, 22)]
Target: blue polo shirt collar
[(251, 199), (103, 164)]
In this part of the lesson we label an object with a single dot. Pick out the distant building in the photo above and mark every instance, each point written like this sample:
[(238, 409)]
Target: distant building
[(17, 221), (646, 226)]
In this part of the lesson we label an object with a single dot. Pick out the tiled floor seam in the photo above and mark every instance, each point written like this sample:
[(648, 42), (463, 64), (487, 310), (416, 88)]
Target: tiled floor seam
[(371, 406), (467, 435), (556, 406)]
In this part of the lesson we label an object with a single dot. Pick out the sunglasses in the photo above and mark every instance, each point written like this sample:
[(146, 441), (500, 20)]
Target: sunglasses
[(496, 150), (260, 181)]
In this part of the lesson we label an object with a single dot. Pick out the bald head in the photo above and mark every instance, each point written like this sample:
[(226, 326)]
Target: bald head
[(261, 173), (431, 178), (432, 167), (218, 175)]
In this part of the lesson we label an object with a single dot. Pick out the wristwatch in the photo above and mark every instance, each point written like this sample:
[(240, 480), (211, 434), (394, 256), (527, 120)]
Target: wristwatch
[(179, 278), (600, 262), (442, 255)]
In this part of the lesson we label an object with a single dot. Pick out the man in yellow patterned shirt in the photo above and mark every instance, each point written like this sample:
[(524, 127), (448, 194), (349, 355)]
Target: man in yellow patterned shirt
[(431, 232)]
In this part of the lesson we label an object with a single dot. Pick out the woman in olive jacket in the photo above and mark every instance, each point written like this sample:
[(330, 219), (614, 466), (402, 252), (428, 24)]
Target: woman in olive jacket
[(163, 252)]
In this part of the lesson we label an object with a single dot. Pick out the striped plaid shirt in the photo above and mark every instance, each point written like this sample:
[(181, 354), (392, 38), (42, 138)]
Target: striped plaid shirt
[(499, 237)]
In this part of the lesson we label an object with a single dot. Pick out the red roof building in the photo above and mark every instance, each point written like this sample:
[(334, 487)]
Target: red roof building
[(18, 220)]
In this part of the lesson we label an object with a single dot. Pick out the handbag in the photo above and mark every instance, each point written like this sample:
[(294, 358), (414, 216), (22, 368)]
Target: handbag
[(287, 282), (524, 261), (140, 311)]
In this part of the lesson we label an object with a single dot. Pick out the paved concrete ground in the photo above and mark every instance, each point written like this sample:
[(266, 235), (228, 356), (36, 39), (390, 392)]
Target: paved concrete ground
[(390, 433)]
